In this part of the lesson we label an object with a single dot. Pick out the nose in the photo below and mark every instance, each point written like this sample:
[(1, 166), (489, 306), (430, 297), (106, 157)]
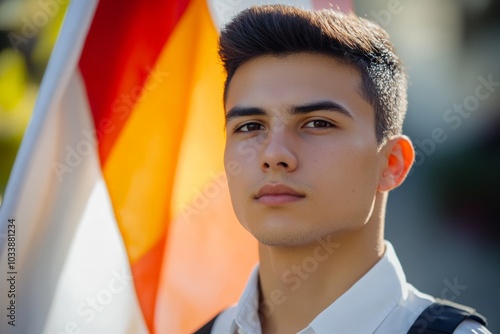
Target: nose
[(278, 153)]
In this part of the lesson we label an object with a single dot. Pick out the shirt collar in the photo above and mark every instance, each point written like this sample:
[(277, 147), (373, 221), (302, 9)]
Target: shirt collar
[(246, 316), (371, 299)]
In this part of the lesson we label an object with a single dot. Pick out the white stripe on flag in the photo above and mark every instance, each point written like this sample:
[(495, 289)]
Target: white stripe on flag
[(95, 291)]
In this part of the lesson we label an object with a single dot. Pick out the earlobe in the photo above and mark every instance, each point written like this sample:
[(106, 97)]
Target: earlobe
[(399, 157)]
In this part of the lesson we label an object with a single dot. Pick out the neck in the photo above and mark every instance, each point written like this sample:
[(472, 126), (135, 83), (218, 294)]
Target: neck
[(297, 283)]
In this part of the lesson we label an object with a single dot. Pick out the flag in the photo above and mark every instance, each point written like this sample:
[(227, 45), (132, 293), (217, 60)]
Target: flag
[(117, 217)]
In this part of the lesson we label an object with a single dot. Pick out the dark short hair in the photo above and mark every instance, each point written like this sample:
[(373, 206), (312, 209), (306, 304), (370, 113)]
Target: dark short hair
[(279, 30)]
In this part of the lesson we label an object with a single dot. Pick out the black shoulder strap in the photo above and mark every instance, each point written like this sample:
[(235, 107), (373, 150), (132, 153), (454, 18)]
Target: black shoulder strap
[(444, 316), (207, 328)]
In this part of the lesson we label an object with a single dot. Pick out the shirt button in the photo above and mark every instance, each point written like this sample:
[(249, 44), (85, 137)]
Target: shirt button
[(241, 331)]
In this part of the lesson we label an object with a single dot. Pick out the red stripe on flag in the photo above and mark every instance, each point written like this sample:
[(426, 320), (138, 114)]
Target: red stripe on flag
[(146, 273), (120, 51)]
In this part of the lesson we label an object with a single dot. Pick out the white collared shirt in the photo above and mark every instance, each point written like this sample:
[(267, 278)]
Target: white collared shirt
[(381, 302)]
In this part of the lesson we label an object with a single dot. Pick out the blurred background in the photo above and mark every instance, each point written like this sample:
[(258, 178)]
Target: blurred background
[(28, 31), (444, 222)]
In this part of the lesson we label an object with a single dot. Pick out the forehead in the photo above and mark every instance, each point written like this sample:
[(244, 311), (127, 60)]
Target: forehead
[(276, 82)]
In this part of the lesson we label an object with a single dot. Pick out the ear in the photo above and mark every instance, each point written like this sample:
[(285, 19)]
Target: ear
[(398, 158)]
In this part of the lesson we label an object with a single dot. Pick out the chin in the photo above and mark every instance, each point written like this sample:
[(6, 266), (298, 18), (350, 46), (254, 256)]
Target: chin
[(284, 237)]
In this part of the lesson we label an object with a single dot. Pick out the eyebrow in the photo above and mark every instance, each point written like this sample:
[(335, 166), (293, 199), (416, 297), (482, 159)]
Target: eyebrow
[(243, 111), (295, 110), (320, 105)]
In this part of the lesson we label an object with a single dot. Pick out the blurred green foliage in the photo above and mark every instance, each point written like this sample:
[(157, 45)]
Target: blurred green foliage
[(28, 31)]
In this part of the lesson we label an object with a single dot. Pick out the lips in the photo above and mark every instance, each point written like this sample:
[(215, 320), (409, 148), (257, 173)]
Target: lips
[(275, 194)]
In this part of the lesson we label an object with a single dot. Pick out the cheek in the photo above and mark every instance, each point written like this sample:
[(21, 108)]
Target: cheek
[(238, 177), (236, 194), (347, 179)]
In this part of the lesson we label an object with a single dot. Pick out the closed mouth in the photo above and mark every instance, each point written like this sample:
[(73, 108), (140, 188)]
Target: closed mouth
[(278, 194)]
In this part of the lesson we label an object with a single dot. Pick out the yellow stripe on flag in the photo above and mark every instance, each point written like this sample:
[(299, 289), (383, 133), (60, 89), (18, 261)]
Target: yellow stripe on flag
[(141, 183)]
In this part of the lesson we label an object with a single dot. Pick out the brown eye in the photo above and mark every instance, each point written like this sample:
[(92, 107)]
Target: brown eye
[(318, 124), (249, 127)]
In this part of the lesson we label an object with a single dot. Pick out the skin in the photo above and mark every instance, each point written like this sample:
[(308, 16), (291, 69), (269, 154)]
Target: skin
[(300, 121)]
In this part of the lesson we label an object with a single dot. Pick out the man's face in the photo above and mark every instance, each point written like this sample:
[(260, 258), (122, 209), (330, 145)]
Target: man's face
[(301, 142)]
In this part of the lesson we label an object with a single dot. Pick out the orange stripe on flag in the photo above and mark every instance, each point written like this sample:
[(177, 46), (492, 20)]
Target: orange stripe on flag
[(208, 261), (143, 165)]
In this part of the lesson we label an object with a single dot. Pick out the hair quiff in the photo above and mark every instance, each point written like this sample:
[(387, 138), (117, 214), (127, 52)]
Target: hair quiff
[(280, 30)]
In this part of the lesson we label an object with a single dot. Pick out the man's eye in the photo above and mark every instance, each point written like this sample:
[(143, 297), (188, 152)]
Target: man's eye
[(318, 124), (249, 127)]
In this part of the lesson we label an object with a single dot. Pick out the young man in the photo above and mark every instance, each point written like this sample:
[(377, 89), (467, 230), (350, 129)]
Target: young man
[(314, 105)]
